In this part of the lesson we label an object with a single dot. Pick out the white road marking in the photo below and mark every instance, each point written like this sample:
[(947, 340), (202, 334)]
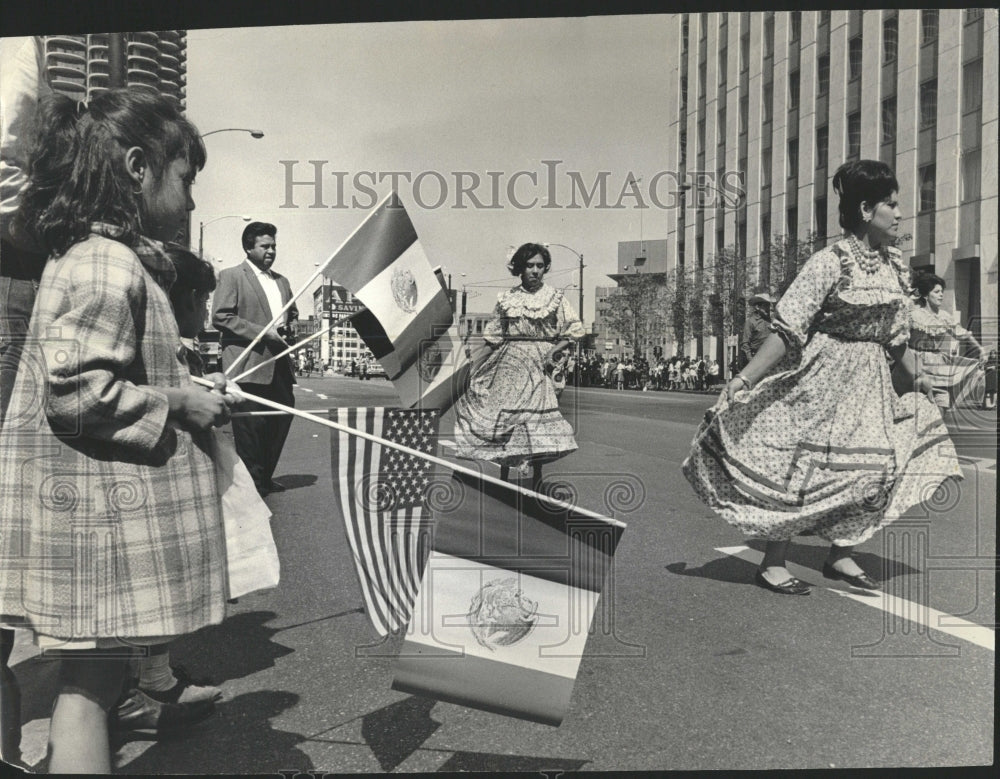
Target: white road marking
[(898, 607)]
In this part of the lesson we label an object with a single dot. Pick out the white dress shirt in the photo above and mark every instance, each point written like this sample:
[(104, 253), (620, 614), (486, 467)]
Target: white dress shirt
[(271, 289)]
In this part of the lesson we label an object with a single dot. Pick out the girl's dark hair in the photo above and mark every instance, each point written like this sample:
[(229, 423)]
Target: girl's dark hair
[(525, 252), (193, 273), (77, 168), (925, 282), (862, 181)]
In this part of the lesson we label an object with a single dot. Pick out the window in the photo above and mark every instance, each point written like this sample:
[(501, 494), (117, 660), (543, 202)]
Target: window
[(928, 26), (767, 109), (684, 146), (971, 172), (765, 232), (684, 33), (972, 86), (723, 59), (821, 218), (795, 24), (824, 18), (928, 103), (744, 51), (823, 74), (720, 131), (793, 158), (684, 92), (973, 14), (854, 54), (792, 223), (702, 78), (769, 34), (890, 39), (889, 120), (822, 146), (701, 136), (703, 25), (793, 90), (854, 135), (744, 113), (765, 167), (927, 188)]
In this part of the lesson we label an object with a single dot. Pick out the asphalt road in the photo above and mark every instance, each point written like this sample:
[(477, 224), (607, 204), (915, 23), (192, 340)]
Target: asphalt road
[(690, 665)]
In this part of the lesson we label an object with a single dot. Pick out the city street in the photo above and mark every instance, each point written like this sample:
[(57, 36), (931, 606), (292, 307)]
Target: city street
[(690, 665)]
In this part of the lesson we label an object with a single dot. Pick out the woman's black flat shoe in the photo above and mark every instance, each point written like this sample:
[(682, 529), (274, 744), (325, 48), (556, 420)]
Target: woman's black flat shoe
[(862, 581), (790, 586)]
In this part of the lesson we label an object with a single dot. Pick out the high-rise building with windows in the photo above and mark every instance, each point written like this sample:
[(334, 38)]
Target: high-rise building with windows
[(81, 66), (784, 98)]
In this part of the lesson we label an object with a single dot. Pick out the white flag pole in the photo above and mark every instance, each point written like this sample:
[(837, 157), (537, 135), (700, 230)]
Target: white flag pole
[(319, 271), (407, 450), (294, 347)]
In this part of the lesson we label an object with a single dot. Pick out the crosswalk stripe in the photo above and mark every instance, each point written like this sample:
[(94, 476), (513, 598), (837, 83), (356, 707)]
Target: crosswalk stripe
[(898, 607)]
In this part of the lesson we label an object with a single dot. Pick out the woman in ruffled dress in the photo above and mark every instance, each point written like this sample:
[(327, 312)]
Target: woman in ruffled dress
[(510, 413), (810, 438), (935, 337)]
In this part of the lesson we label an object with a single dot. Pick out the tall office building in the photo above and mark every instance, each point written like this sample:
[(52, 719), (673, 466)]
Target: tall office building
[(81, 66), (783, 98)]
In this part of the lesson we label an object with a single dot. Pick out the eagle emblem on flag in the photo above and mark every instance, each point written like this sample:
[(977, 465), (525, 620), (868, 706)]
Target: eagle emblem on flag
[(404, 289), (500, 615), (430, 359)]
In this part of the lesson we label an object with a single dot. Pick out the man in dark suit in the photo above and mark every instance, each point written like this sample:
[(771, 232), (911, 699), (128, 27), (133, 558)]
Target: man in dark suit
[(246, 300)]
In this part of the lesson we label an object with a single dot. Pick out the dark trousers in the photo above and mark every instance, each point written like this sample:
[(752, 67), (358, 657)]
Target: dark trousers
[(259, 440)]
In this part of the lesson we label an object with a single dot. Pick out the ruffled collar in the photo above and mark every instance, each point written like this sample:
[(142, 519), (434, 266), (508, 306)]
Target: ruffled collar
[(517, 301), (934, 324), (151, 253)]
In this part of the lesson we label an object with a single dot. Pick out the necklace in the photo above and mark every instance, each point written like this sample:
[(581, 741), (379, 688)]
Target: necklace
[(868, 260)]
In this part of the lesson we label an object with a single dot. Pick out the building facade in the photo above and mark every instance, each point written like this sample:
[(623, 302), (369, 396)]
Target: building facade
[(769, 104), (339, 346), (82, 66)]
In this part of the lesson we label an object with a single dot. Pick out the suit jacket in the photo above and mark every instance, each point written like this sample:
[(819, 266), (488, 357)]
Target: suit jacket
[(240, 312)]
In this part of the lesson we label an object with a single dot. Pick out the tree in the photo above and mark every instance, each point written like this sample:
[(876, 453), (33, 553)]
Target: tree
[(637, 310)]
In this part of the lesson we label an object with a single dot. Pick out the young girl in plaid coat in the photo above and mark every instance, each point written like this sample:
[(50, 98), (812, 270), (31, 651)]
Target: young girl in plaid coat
[(110, 532)]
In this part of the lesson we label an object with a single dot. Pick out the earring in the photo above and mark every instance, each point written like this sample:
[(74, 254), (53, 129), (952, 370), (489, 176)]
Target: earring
[(866, 217)]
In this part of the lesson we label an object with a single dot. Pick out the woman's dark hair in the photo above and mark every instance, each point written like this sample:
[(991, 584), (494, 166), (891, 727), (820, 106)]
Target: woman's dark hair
[(525, 252), (925, 282), (193, 273), (77, 167), (862, 181)]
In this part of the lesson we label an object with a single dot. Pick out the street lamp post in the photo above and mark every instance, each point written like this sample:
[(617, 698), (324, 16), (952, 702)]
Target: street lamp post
[(201, 230), (253, 133), (734, 204)]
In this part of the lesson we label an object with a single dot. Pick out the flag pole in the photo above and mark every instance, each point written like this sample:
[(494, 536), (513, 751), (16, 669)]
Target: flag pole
[(319, 270), (294, 347), (407, 450)]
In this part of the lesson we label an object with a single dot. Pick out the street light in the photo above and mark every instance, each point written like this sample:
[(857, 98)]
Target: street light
[(201, 230), (579, 256), (253, 133), (734, 204)]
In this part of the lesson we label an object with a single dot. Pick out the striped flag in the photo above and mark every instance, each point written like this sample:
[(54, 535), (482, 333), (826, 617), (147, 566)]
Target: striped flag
[(408, 316), (380, 493), (506, 600)]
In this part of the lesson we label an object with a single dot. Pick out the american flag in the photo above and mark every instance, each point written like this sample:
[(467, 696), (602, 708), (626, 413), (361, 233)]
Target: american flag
[(380, 492)]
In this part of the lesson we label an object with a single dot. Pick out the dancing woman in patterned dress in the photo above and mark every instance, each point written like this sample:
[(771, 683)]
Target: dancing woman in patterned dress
[(810, 437), (510, 413)]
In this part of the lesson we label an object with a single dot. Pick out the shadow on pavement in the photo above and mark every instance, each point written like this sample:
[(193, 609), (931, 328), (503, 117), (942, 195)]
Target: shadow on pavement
[(240, 646), (238, 739), (396, 731), (293, 481), (484, 761), (738, 571)]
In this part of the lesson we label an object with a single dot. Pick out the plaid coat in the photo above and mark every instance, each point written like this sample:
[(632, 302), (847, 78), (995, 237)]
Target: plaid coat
[(110, 517)]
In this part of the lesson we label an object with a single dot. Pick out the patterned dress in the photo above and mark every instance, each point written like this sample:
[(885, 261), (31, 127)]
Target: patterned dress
[(110, 519), (823, 444), (510, 412), (934, 341)]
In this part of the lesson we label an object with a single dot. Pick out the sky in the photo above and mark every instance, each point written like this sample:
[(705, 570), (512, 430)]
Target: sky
[(500, 100)]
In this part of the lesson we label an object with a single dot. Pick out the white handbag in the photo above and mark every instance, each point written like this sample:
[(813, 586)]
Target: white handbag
[(251, 556)]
